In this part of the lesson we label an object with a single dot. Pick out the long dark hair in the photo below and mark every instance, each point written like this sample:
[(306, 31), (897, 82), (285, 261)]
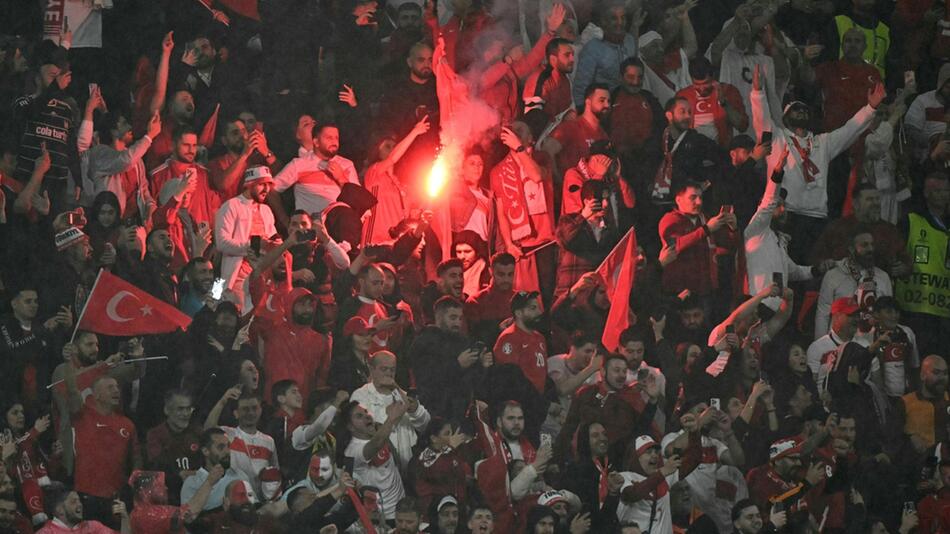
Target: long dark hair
[(341, 429)]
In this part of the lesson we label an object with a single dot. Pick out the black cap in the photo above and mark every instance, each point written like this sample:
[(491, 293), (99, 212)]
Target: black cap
[(884, 303), (521, 299), (742, 141)]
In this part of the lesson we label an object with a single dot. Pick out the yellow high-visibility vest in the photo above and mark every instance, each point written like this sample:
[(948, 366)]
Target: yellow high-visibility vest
[(927, 288), (878, 40)]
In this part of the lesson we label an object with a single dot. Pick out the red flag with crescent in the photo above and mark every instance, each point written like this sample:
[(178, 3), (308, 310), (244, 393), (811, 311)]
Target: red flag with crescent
[(618, 270), (118, 308)]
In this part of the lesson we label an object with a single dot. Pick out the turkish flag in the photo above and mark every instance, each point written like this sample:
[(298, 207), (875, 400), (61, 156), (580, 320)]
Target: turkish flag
[(117, 308), (245, 8), (617, 270)]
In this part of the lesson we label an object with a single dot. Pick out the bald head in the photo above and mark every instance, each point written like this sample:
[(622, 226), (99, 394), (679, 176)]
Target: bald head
[(933, 375), (853, 45), (936, 191), (382, 370)]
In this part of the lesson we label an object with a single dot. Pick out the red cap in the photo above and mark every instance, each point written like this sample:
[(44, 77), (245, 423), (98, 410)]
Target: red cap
[(357, 325), (845, 305), (785, 447), (645, 443)]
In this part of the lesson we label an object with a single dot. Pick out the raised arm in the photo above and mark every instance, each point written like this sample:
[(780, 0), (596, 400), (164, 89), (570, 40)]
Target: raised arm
[(394, 413), (231, 394), (403, 145), (73, 396), (842, 138), (761, 116), (161, 75)]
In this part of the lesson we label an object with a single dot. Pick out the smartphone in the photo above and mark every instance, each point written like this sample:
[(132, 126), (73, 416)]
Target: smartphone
[(256, 244), (74, 218), (730, 329), (779, 280), (478, 346), (766, 138), (307, 235), (909, 506), (546, 440), (92, 88), (727, 208), (217, 288), (714, 403), (910, 78)]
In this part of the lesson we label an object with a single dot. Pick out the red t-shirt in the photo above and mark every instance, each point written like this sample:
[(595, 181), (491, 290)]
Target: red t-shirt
[(527, 350), (631, 120), (103, 444), (576, 137), (205, 201), (844, 89), (489, 304)]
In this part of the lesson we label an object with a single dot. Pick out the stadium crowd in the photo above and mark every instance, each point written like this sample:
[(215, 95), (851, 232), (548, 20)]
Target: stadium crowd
[(474, 266)]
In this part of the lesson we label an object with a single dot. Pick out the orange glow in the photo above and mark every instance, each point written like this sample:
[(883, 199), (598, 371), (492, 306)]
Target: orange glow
[(437, 177)]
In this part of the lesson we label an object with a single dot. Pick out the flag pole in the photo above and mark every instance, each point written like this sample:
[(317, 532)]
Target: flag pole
[(133, 360), (85, 305)]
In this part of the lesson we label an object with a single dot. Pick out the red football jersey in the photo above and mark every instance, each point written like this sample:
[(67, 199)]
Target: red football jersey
[(527, 350)]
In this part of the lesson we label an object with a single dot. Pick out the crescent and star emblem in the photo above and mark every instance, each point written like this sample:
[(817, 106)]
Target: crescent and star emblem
[(113, 313)]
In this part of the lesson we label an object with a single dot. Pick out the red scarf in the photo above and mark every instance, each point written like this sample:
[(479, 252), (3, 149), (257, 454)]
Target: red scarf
[(512, 197), (809, 169), (663, 181), (603, 468)]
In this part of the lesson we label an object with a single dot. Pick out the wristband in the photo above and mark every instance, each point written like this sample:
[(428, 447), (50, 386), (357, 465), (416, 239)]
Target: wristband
[(706, 229)]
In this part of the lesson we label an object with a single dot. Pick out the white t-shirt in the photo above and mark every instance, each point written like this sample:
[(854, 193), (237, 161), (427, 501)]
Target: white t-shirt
[(250, 453), (380, 472), (896, 357), (641, 511)]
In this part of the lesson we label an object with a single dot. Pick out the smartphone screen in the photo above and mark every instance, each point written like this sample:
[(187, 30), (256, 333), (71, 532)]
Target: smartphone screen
[(778, 279), (217, 288), (256, 243), (766, 138)]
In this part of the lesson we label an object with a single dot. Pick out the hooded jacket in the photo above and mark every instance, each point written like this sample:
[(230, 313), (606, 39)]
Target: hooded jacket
[(294, 351), (645, 499)]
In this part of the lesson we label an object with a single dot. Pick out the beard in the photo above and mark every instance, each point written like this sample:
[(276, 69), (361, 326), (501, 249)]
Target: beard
[(535, 323), (865, 260), (243, 514)]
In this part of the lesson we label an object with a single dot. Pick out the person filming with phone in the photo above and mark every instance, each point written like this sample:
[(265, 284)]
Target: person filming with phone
[(238, 221), (697, 239)]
